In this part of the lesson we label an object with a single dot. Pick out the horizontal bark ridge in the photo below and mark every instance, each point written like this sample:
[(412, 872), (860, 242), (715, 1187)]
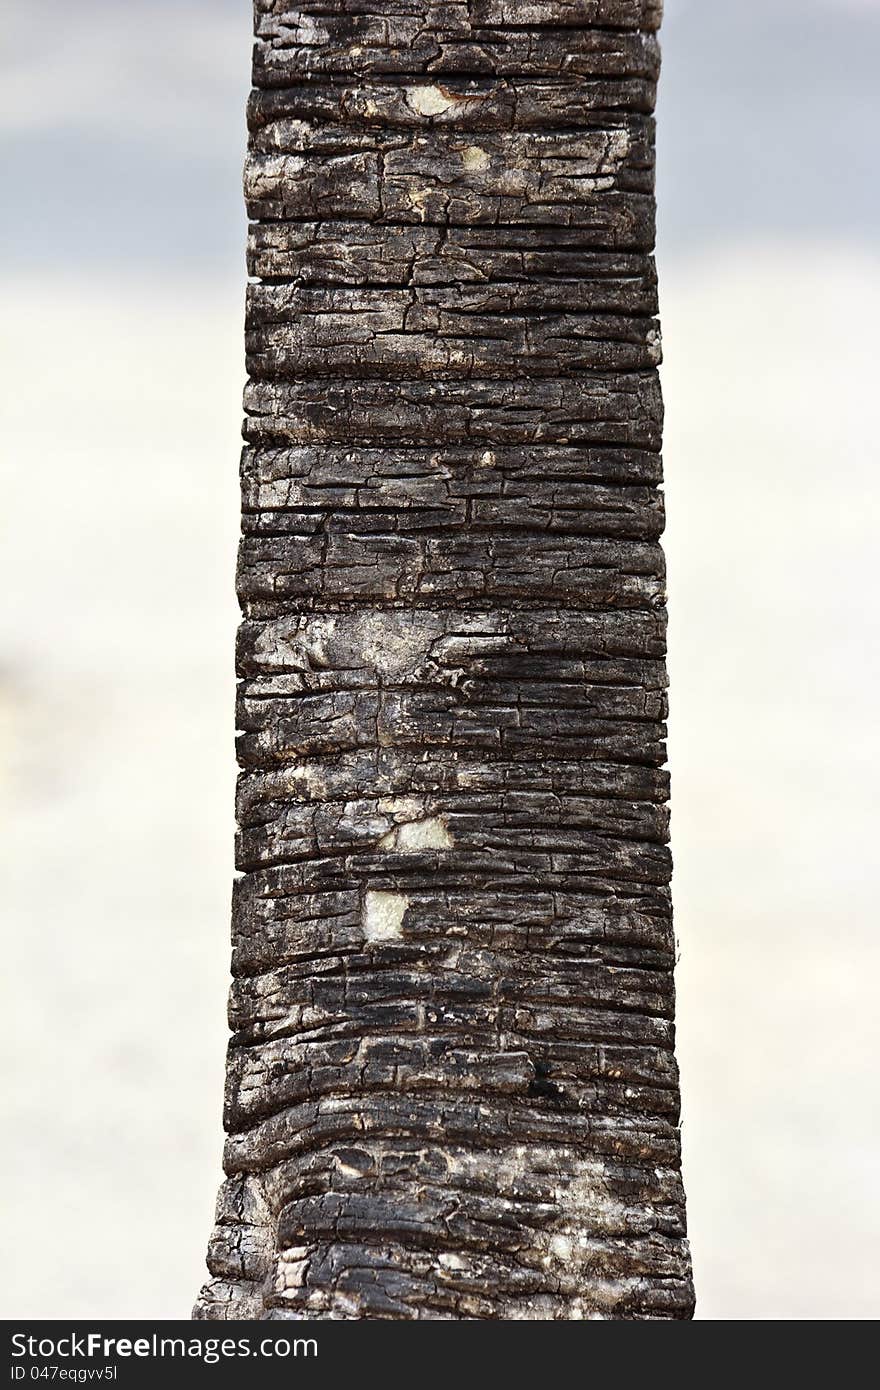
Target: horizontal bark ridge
[(451, 1084)]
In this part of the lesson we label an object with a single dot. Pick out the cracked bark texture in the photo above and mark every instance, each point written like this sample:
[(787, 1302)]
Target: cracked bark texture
[(451, 1084)]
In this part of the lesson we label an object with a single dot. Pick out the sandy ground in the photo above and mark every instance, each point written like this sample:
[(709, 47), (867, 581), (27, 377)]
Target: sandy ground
[(117, 686)]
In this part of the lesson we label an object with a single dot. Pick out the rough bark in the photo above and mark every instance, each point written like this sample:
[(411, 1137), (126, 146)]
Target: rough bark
[(451, 1085)]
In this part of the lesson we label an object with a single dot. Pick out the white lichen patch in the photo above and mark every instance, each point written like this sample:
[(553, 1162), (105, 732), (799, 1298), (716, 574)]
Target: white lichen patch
[(262, 179), (561, 1248), (583, 1214), (309, 33), (383, 915), (618, 147), (346, 1170), (412, 836), (316, 637), (419, 196), (474, 160), (428, 101), (291, 134), (308, 782), (392, 643), (590, 1208), (424, 834), (401, 808), (291, 1269), (296, 644), (395, 644)]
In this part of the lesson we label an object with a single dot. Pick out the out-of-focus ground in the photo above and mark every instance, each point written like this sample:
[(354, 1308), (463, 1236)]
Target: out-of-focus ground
[(122, 285), (774, 501)]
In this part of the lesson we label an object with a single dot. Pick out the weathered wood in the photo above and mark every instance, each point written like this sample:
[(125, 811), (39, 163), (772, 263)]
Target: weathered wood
[(451, 1086), (364, 647), (346, 476), (473, 103), (576, 40), (616, 409), (441, 332), (548, 178), (377, 254), (309, 912), (406, 491)]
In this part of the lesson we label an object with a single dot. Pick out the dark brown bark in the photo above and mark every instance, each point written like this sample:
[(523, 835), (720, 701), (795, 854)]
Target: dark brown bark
[(451, 1085)]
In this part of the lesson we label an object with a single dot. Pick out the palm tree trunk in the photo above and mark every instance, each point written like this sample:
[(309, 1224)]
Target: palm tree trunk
[(451, 1087)]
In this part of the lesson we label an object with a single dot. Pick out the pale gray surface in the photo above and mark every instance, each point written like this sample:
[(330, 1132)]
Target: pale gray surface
[(124, 143)]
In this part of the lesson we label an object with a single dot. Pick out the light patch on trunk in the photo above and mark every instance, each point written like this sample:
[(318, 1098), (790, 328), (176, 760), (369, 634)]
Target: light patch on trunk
[(261, 179), (310, 34), (291, 1269), (383, 915), (401, 808), (449, 1262), (412, 836), (428, 101), (395, 644), (308, 782), (619, 146), (474, 159), (561, 1247)]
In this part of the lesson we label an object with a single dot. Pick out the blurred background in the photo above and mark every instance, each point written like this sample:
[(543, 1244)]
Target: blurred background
[(123, 280)]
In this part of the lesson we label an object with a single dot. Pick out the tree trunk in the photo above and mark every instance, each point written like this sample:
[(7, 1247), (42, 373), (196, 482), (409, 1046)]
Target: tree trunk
[(451, 1086)]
